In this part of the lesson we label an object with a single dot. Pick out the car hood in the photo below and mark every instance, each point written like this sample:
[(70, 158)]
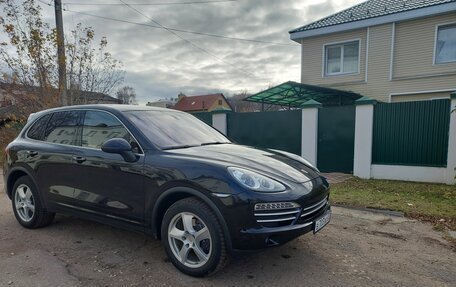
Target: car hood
[(269, 162)]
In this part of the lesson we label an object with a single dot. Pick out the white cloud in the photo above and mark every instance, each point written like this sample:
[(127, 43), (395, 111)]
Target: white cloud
[(160, 65)]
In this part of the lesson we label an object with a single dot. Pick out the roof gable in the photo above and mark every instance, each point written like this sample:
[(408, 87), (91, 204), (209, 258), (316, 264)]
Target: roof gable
[(369, 10), (198, 103)]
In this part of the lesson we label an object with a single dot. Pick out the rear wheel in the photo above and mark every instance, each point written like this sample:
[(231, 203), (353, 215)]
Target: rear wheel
[(193, 238), (27, 206)]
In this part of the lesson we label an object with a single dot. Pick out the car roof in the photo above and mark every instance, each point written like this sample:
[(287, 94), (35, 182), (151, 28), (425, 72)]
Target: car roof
[(111, 107), (105, 107)]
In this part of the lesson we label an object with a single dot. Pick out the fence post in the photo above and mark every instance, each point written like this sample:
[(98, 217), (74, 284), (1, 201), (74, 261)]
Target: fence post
[(364, 125), (451, 160), (219, 121), (309, 131)]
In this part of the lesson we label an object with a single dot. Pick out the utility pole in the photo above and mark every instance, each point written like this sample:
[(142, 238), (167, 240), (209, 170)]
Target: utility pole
[(61, 52)]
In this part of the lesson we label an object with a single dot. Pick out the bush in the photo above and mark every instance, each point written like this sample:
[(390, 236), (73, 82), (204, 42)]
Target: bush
[(8, 133)]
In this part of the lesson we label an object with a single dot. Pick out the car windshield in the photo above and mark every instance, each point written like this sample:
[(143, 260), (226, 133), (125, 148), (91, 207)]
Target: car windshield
[(171, 130)]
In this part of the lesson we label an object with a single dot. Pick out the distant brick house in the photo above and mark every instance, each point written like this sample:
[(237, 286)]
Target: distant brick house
[(83, 97), (202, 103), (19, 100), (169, 104), (10, 93)]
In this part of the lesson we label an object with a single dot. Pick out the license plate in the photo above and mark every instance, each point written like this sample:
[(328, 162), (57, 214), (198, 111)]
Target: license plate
[(322, 221)]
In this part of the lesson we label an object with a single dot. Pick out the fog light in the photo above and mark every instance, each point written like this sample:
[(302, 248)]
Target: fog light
[(275, 205)]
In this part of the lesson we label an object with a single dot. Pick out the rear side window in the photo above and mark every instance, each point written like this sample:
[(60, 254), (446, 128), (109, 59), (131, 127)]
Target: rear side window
[(36, 132), (63, 128), (99, 127)]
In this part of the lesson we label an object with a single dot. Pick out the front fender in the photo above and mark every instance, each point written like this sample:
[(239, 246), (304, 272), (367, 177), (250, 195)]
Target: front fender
[(179, 193)]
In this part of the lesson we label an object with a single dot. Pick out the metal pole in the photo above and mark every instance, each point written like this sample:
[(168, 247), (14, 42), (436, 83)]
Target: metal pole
[(61, 52)]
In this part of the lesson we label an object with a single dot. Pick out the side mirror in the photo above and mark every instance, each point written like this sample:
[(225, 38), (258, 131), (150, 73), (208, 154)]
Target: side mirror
[(119, 146)]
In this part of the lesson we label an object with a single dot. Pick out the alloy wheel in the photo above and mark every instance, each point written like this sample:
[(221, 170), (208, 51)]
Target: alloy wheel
[(24, 203), (190, 239)]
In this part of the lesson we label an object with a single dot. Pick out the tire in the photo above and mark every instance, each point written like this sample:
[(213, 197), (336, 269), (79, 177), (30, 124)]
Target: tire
[(197, 239), (27, 205)]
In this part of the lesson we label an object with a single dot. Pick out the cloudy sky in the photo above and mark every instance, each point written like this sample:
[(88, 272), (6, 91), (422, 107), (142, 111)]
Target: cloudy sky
[(160, 64)]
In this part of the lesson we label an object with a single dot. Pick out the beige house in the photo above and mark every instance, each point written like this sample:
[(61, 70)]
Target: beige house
[(390, 50)]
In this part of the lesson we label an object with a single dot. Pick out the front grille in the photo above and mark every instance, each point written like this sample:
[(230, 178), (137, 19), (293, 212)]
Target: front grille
[(275, 218), (310, 211), (275, 205), (288, 216)]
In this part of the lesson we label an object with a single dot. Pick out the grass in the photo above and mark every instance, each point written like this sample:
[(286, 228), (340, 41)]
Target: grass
[(424, 201)]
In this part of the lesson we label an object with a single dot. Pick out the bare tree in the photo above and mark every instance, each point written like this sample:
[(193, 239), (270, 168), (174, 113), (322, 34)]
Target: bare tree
[(30, 53), (241, 106), (127, 95), (90, 69), (31, 49)]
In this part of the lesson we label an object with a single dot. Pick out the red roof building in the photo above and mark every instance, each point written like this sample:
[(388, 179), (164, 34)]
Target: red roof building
[(202, 103)]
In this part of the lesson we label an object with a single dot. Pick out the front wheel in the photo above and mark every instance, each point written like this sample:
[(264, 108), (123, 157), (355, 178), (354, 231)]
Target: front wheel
[(193, 238)]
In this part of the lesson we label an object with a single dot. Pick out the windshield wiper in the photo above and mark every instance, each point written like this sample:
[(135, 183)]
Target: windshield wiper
[(177, 147), (211, 143), (187, 146)]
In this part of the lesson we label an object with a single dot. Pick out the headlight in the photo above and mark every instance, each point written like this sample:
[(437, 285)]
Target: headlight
[(255, 181)]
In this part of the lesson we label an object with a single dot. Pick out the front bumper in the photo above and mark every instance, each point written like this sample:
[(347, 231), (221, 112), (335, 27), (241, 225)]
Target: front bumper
[(260, 238), (259, 220)]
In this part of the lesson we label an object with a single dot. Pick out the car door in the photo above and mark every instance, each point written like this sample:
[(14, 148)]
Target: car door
[(107, 185), (52, 146)]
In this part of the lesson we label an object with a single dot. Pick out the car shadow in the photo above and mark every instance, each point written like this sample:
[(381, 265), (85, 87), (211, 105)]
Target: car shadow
[(88, 246)]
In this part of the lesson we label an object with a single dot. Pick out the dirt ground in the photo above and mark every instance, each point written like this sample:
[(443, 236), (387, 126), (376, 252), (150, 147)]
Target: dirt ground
[(358, 248)]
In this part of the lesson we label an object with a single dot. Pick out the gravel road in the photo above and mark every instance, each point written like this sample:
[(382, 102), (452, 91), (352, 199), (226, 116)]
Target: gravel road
[(358, 248)]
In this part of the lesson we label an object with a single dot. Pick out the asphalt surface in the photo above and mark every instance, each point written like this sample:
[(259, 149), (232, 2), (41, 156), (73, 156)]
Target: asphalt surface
[(357, 248)]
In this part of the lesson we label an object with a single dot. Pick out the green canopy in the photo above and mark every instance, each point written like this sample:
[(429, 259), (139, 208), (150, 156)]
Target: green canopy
[(292, 94)]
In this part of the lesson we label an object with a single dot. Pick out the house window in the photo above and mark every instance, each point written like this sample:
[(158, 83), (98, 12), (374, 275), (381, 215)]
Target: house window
[(445, 46), (342, 58), (220, 102)]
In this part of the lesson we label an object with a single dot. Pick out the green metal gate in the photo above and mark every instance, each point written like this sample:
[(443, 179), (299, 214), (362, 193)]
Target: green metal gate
[(336, 139), (204, 116), (277, 130), (411, 133)]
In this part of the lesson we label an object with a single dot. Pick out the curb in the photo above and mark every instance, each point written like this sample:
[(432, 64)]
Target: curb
[(374, 210)]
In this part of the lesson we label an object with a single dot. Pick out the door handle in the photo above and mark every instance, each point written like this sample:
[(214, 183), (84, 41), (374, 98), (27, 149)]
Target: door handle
[(32, 153), (79, 159)]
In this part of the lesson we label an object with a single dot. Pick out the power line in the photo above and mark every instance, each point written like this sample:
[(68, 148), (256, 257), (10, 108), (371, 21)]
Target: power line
[(188, 41), (151, 4), (173, 30), (178, 30), (182, 30)]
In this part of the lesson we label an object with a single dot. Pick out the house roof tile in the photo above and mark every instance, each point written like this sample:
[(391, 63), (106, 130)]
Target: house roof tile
[(370, 9), (197, 103)]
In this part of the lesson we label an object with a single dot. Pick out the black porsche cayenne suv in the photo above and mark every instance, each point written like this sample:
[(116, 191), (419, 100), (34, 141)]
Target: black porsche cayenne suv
[(165, 173)]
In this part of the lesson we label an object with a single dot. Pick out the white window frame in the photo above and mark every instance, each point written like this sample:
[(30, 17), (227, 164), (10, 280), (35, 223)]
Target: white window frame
[(340, 44), (434, 58), (391, 95)]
